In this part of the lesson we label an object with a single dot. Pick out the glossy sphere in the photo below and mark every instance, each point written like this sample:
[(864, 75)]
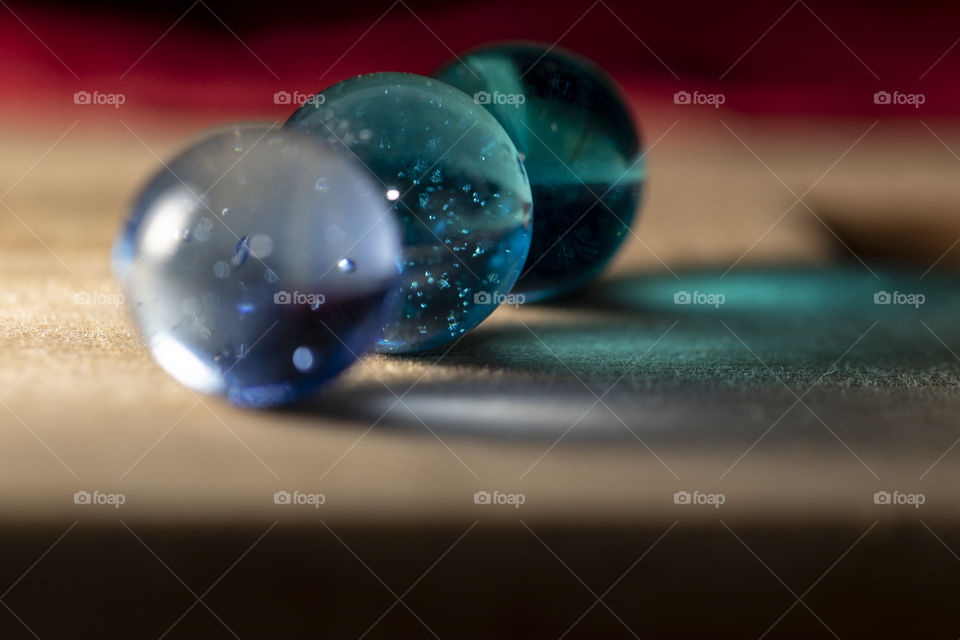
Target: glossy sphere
[(581, 150), (459, 191), (233, 264)]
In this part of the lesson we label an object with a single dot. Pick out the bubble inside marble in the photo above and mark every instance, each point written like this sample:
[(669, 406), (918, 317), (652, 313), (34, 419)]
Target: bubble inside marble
[(458, 188), (231, 264), (580, 147)]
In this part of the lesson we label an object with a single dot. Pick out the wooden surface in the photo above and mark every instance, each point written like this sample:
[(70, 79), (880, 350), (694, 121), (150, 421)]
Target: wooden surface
[(597, 409)]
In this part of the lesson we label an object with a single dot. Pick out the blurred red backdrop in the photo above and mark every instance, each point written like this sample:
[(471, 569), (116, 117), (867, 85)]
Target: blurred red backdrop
[(785, 57)]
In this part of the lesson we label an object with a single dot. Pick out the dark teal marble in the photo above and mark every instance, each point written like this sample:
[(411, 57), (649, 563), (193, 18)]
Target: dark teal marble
[(458, 188), (580, 147)]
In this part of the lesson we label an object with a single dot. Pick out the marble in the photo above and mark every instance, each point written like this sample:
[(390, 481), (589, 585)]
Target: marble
[(259, 264), (581, 149), (458, 188)]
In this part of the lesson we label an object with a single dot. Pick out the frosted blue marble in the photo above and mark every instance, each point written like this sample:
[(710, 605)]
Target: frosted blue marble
[(458, 187), (581, 150), (259, 264)]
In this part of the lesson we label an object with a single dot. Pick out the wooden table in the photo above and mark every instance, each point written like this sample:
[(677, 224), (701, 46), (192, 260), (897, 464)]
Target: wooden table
[(793, 403)]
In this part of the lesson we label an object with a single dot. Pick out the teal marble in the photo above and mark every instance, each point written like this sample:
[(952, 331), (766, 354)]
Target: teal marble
[(459, 191), (581, 149)]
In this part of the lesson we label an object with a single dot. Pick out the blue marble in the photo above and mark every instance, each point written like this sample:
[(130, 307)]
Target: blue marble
[(232, 262), (580, 147), (458, 187)]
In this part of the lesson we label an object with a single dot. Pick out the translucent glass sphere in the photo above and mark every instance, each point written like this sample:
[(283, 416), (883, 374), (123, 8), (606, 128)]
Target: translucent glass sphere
[(258, 264), (458, 188), (580, 147)]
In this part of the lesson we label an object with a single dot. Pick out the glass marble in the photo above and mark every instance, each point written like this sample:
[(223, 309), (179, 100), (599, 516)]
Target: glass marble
[(232, 262), (457, 186), (580, 147)]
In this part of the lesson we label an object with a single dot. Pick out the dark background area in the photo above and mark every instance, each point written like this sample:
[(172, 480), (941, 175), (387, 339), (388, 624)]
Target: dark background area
[(794, 57)]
